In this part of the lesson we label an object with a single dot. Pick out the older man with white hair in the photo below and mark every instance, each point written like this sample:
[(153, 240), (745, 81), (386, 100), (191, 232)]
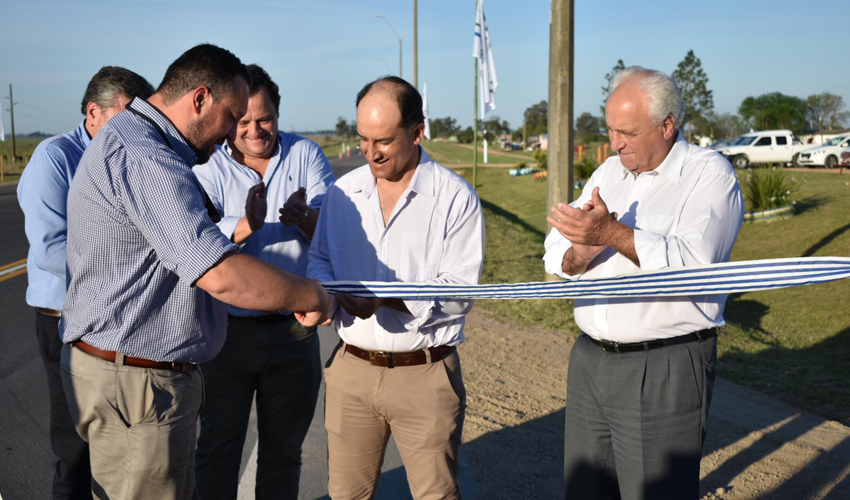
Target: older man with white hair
[(641, 372)]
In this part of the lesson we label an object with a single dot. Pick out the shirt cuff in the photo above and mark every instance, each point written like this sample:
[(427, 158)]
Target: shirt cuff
[(420, 312), (203, 254), (227, 225), (651, 249), (553, 261)]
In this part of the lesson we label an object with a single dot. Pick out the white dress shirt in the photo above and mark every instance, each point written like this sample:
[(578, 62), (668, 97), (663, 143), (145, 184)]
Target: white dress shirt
[(685, 212), (435, 234)]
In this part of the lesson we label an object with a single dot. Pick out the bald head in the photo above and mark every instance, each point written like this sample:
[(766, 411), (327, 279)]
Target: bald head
[(403, 94)]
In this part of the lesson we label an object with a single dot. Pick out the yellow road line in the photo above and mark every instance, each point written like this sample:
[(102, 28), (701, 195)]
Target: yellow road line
[(13, 264), (12, 275), (9, 271)]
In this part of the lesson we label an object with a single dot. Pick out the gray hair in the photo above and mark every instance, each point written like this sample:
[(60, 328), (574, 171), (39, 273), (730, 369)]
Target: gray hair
[(112, 81), (663, 97)]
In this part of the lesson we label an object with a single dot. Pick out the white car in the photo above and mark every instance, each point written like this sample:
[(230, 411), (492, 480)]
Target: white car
[(767, 146), (827, 154)]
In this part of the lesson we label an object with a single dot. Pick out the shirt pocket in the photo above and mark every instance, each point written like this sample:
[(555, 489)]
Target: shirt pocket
[(658, 224)]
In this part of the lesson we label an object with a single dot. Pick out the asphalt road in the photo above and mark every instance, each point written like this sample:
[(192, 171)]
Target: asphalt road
[(25, 455)]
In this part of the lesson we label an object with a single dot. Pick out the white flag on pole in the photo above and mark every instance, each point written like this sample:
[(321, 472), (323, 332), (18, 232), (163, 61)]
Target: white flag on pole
[(2, 133), (425, 111), (483, 51)]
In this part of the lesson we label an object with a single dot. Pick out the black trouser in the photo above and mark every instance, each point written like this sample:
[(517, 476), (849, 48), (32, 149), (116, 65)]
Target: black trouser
[(72, 474), (278, 360)]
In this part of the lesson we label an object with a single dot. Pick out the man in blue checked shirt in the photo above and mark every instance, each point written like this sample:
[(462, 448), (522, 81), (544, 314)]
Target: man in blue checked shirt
[(284, 178), (42, 194), (151, 275)]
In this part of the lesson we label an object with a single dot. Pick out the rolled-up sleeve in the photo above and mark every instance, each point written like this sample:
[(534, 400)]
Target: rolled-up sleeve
[(556, 245), (165, 201), (707, 229)]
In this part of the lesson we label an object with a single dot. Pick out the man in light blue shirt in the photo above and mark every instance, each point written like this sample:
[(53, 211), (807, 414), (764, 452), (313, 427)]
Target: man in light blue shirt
[(284, 178), (42, 194)]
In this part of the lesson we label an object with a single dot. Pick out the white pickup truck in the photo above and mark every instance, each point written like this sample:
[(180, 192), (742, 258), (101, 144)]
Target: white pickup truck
[(769, 146), (827, 154)]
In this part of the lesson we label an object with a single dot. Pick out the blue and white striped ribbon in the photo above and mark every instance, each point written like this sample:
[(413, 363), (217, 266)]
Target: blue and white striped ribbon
[(730, 277)]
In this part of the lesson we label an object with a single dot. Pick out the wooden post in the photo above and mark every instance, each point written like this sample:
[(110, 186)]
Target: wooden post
[(560, 118)]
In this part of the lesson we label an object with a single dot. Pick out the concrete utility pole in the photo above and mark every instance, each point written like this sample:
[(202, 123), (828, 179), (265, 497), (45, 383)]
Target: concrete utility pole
[(560, 156), (415, 49), (12, 113)]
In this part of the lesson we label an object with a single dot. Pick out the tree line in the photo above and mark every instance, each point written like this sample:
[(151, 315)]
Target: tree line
[(774, 110)]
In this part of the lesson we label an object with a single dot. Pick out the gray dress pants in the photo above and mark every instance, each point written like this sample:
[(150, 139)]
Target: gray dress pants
[(636, 422)]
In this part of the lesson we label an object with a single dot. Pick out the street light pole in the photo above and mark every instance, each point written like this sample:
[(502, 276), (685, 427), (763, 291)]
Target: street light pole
[(415, 48), (381, 16)]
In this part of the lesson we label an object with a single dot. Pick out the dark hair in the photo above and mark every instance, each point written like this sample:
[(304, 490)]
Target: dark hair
[(110, 82), (261, 80), (202, 65), (408, 98)]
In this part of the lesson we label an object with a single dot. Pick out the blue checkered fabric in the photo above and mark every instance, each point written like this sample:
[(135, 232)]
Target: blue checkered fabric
[(139, 236)]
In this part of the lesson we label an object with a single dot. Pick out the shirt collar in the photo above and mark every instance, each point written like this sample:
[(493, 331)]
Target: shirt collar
[(82, 134), (178, 143), (422, 182), (671, 167)]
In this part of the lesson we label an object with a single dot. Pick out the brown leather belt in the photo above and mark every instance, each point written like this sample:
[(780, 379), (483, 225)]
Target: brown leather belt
[(53, 313), (131, 361), (393, 359)]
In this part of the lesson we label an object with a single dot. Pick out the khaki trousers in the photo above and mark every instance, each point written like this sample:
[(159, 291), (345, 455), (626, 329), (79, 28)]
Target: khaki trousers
[(140, 425), (422, 406)]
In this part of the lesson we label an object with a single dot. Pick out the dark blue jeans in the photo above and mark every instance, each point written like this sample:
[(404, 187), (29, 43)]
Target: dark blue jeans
[(278, 359), (71, 471)]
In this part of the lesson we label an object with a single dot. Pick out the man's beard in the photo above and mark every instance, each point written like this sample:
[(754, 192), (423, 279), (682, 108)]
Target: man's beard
[(199, 143)]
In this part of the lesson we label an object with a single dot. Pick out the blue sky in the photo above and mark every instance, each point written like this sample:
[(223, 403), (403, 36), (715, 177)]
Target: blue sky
[(321, 52)]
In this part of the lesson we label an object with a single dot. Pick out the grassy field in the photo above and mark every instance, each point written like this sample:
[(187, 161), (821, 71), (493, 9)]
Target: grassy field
[(452, 153), (792, 343), (24, 149)]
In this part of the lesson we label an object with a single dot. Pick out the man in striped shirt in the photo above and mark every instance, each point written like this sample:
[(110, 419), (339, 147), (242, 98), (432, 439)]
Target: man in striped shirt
[(151, 275)]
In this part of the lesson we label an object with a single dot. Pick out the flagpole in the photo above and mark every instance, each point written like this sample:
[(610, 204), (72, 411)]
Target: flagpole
[(475, 132)]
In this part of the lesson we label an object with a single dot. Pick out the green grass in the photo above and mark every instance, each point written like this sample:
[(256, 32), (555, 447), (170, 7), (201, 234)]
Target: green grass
[(24, 148), (792, 343), (451, 153)]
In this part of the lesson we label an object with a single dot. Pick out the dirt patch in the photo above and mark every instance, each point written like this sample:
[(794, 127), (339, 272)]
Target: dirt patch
[(516, 378)]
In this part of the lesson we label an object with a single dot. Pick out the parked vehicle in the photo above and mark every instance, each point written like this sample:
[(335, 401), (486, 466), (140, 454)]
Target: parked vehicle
[(769, 146), (722, 143), (827, 154)]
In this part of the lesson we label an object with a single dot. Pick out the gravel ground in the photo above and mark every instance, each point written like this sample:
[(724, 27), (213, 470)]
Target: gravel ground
[(516, 376)]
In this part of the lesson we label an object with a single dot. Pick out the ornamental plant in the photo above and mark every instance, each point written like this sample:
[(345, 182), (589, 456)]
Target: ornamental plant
[(768, 188)]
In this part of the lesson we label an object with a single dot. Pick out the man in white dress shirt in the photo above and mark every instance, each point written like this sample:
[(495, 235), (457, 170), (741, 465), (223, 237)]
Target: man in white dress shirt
[(402, 217), (641, 373)]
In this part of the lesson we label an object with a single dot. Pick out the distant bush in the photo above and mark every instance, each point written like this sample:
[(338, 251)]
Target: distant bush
[(585, 168), (766, 189), (466, 136), (541, 157)]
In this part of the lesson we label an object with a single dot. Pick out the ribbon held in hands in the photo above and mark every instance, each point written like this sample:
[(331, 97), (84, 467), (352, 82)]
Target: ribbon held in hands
[(710, 279)]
